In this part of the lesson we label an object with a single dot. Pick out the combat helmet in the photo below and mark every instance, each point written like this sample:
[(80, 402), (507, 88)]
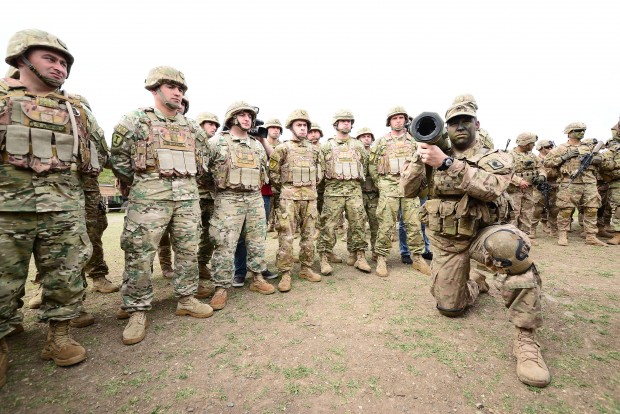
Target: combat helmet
[(237, 107), (397, 110), (24, 40), (298, 114), (164, 74), (316, 127), (544, 143), (273, 123), (207, 116), (343, 115), (574, 125), (525, 138), (365, 130)]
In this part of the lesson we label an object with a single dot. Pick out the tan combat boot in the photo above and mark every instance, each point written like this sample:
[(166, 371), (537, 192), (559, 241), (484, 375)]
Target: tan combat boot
[(37, 299), (122, 314), (205, 290), (562, 238), (374, 256), (4, 361), (351, 258), (326, 268), (592, 240), (203, 271), (260, 285), (83, 320), (61, 347), (480, 279), (189, 305), (604, 233), (309, 275), (361, 262), (616, 239), (420, 265), (135, 331), (103, 285), (381, 270), (285, 282), (531, 367), (219, 299), (165, 261), (333, 258), (532, 233)]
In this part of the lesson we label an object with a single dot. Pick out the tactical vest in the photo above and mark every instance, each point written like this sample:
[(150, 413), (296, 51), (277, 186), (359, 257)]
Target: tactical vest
[(345, 162), (572, 165), (394, 155), (169, 149), (614, 151), (300, 168), (242, 168), (45, 133), (525, 166)]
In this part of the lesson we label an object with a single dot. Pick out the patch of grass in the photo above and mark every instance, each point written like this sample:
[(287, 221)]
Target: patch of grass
[(297, 372), (337, 350), (293, 388), (373, 384), (185, 393), (219, 350), (296, 316)]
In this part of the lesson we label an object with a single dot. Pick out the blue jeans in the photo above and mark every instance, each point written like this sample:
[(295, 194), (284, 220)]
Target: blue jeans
[(402, 236), (241, 254)]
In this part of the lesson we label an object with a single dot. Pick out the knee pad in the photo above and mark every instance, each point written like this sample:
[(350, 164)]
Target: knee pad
[(451, 313), (509, 251)]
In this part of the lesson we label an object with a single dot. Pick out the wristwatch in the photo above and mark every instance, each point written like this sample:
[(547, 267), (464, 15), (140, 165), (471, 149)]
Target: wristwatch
[(447, 162)]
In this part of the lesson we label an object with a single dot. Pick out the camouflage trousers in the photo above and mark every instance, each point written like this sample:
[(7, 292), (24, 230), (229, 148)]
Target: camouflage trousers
[(541, 213), (96, 223), (61, 248), (145, 223), (205, 249), (580, 196), (523, 203), (333, 206), (274, 200), (292, 215), (387, 215), (614, 202), (232, 210), (370, 206), (453, 290)]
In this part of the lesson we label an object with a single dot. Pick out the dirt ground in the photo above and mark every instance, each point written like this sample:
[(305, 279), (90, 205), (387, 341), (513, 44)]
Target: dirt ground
[(353, 343)]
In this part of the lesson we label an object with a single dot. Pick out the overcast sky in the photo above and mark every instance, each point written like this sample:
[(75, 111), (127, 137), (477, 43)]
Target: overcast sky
[(531, 65)]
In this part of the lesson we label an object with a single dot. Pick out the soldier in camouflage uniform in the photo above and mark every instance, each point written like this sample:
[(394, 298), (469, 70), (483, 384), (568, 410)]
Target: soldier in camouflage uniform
[(386, 159), (294, 168), (314, 136), (274, 132), (548, 216), (370, 195), (48, 139), (528, 173), (158, 153), (610, 168), (239, 166), (344, 162), (580, 192), (465, 218)]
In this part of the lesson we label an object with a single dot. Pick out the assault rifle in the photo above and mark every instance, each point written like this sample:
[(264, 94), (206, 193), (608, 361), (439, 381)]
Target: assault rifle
[(545, 189), (507, 143), (586, 160)]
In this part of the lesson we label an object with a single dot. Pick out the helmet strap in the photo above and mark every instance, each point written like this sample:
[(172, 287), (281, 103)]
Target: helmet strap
[(54, 83), (170, 105)]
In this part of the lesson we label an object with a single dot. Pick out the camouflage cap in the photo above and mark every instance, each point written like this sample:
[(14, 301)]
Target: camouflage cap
[(525, 138), (543, 143), (316, 127), (467, 97), (574, 125), (365, 130), (24, 40), (461, 108), (207, 116), (273, 122), (164, 74), (298, 114), (397, 110)]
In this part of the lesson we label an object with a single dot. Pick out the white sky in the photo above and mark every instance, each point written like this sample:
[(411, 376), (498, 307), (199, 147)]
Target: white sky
[(532, 65)]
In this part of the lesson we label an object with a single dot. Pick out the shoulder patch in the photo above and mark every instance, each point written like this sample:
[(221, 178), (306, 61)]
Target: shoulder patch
[(496, 164), (117, 140), (121, 129)]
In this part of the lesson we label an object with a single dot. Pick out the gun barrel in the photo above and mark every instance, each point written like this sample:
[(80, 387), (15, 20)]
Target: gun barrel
[(427, 128)]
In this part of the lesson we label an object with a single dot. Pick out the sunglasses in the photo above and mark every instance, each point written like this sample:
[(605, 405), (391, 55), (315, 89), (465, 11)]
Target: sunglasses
[(548, 147), (579, 130)]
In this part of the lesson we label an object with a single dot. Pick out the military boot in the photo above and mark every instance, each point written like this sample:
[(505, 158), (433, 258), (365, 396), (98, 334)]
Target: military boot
[(219, 299), (361, 262), (203, 271), (205, 290), (17, 329), (531, 367), (135, 331), (562, 238), (351, 258), (285, 282), (592, 240), (122, 314), (326, 268), (480, 279), (546, 227), (83, 320), (61, 347), (103, 285), (616, 239), (260, 285), (604, 233), (333, 258), (165, 261), (420, 265), (4, 361), (381, 270), (189, 305), (532, 233), (309, 275), (37, 299), (374, 256)]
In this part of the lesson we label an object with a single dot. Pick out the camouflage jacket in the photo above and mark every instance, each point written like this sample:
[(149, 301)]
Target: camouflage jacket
[(343, 188), (568, 167), (388, 184), (133, 130), (279, 157), (484, 139), (610, 167), (23, 190), (526, 167)]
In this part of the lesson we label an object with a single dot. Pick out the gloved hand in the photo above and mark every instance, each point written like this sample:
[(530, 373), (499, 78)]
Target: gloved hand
[(571, 153), (539, 179)]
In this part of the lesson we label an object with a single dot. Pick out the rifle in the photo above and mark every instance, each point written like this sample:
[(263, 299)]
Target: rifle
[(507, 143), (545, 189), (586, 160)]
